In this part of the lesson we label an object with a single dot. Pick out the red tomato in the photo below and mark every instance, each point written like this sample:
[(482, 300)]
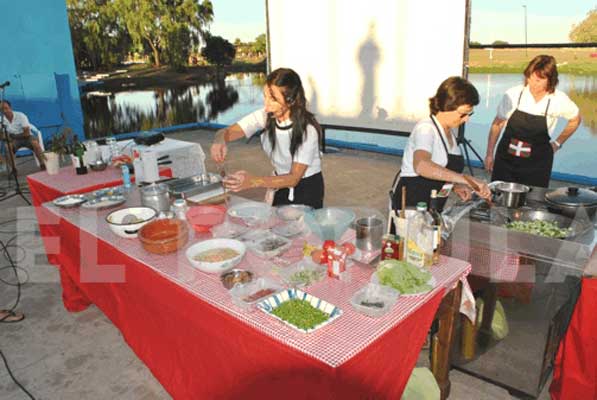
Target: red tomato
[(349, 248), (319, 256), (328, 244)]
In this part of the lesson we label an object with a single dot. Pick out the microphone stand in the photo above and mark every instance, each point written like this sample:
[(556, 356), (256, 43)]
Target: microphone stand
[(10, 157)]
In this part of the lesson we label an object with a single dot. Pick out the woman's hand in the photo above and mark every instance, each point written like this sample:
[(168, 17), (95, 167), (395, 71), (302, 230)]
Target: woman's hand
[(218, 152), (464, 192), (238, 181), (554, 147), (489, 162), (482, 189)]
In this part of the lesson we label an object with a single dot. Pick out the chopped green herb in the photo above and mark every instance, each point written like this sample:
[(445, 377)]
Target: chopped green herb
[(300, 313), (305, 277), (541, 228)]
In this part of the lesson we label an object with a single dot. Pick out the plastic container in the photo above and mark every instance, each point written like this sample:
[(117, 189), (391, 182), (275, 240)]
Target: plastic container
[(164, 236), (374, 300), (419, 239), (266, 244), (249, 294), (329, 223), (303, 273)]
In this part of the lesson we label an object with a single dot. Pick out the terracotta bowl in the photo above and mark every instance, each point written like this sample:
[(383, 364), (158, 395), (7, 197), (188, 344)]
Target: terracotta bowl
[(164, 236), (202, 218)]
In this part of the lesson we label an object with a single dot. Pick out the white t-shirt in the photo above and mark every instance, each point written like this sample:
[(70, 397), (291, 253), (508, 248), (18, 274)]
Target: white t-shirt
[(18, 124), (308, 153), (424, 136), (560, 105)]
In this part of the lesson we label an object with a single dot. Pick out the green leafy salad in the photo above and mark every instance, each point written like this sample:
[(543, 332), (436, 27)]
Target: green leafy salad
[(541, 228), (300, 314), (402, 276)]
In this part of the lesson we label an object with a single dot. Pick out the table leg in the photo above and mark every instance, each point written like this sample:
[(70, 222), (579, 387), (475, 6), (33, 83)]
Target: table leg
[(442, 341)]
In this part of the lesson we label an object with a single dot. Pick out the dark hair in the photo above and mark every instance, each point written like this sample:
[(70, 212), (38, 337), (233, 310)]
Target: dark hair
[(294, 95), (545, 67), (453, 93), (7, 102)]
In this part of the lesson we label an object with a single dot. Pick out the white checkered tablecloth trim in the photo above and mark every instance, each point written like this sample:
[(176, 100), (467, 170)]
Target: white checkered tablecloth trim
[(333, 344), (67, 181), (494, 265)]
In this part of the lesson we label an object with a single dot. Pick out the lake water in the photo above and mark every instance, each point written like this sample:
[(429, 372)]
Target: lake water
[(226, 101)]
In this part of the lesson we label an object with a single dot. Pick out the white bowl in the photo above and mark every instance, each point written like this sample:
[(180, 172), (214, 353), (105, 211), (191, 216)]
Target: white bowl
[(216, 267), (129, 231)]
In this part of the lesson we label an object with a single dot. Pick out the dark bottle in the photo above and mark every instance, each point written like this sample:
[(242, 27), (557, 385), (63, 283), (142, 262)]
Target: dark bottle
[(78, 152), (438, 222)]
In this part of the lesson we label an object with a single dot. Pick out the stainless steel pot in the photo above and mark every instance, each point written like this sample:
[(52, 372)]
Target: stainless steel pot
[(512, 195), (156, 197), (572, 202)]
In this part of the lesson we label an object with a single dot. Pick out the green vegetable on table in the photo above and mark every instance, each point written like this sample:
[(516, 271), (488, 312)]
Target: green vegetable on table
[(300, 313), (305, 277), (404, 277), (541, 228)]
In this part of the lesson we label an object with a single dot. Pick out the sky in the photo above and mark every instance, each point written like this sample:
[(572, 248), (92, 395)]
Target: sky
[(548, 21)]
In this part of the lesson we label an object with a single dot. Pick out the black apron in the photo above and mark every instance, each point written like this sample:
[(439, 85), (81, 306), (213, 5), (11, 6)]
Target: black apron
[(309, 192), (524, 154), (419, 188)]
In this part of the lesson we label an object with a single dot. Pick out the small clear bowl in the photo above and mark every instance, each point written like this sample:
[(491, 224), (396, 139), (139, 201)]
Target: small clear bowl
[(374, 300), (249, 294)]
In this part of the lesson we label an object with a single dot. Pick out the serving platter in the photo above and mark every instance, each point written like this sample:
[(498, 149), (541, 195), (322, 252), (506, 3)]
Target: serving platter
[(70, 201)]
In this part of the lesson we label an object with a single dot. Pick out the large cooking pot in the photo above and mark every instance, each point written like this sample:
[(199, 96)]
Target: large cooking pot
[(572, 202), (512, 195)]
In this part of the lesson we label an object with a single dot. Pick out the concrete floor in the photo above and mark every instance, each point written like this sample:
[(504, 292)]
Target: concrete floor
[(60, 355)]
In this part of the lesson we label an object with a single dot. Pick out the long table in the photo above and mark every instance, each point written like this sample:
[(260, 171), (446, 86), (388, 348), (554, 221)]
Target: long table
[(182, 323)]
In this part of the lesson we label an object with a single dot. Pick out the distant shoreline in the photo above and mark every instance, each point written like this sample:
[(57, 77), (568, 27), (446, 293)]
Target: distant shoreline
[(141, 76)]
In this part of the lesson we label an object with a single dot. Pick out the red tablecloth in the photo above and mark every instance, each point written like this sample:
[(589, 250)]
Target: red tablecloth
[(198, 350), (575, 370), (45, 187)]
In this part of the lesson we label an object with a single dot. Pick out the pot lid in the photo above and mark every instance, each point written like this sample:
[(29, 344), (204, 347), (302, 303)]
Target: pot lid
[(572, 196)]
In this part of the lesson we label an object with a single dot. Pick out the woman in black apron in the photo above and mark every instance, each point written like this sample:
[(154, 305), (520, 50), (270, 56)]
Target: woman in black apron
[(450, 107), (291, 138), (525, 153)]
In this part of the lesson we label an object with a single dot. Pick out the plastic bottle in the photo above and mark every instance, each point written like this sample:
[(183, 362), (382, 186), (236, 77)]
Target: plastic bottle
[(419, 241), (438, 223), (126, 177)]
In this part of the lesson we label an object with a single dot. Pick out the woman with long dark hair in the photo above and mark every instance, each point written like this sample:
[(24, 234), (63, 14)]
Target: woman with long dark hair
[(291, 138)]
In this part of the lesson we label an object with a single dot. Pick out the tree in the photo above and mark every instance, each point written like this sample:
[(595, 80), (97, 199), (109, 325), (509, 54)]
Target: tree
[(166, 26), (499, 42), (474, 43), (99, 38), (586, 30), (218, 51), (259, 46)]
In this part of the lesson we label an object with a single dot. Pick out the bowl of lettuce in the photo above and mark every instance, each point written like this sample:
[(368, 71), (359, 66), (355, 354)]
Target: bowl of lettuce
[(404, 277)]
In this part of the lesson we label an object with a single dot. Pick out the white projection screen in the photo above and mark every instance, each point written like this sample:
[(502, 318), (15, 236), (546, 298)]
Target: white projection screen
[(369, 64)]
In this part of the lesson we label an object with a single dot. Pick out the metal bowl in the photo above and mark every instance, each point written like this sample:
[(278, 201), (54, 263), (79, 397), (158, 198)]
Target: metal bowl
[(513, 195), (232, 277), (98, 166)]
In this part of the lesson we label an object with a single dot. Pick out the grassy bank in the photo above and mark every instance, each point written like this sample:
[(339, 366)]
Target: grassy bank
[(570, 60), (144, 76)]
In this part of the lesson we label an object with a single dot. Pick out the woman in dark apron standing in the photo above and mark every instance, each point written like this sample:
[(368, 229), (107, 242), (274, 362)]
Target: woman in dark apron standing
[(530, 111), (432, 159), (290, 136)]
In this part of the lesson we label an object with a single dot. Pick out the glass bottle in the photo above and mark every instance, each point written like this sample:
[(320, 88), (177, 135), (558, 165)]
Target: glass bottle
[(438, 223), (78, 152)]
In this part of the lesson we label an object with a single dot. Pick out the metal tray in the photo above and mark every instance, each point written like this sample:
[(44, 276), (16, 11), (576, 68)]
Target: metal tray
[(104, 202), (193, 185), (70, 201)]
